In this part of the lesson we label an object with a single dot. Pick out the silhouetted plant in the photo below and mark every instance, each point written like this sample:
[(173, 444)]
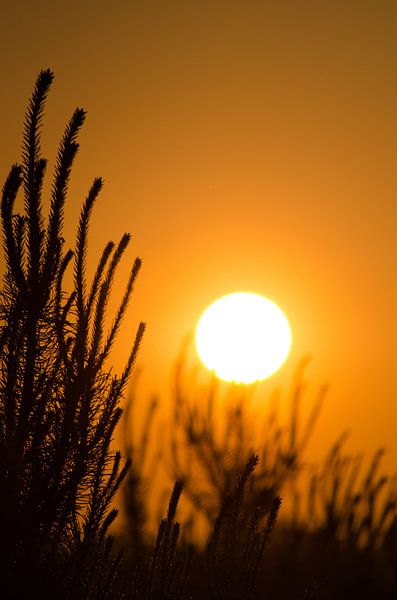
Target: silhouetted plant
[(236, 545), (209, 449), (164, 581), (354, 508), (59, 402), (60, 405), (138, 481), (342, 541), (162, 574), (338, 538)]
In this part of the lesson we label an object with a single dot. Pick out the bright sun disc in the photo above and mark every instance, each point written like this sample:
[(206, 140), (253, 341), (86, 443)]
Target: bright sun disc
[(243, 337)]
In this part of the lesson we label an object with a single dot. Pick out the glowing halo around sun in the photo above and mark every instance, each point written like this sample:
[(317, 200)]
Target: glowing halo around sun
[(243, 337)]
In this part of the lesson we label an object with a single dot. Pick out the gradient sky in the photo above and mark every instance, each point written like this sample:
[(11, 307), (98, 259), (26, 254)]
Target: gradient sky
[(246, 145)]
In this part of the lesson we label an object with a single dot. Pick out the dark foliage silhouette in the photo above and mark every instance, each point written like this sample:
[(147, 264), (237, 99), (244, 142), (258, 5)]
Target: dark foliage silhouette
[(59, 474), (236, 545), (208, 450), (59, 402), (336, 537)]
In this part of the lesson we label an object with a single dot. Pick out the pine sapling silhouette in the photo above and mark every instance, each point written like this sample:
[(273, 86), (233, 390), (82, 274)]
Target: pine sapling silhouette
[(237, 542), (59, 402), (167, 576)]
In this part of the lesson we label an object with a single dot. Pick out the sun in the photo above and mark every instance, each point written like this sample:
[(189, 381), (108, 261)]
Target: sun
[(243, 337)]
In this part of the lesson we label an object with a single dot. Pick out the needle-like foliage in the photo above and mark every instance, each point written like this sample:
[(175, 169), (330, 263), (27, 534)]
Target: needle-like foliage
[(59, 402), (236, 545)]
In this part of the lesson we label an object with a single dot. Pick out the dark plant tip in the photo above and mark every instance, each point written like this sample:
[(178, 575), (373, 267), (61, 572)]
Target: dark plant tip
[(46, 76)]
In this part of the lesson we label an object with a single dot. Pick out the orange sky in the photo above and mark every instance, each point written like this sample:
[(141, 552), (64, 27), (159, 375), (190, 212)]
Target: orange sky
[(246, 146)]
